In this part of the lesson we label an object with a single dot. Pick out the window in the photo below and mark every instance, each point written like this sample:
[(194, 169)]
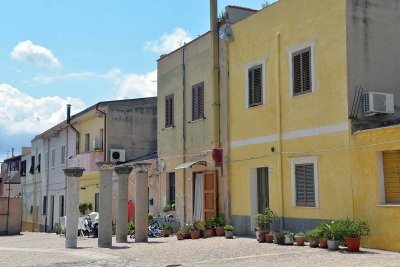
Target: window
[(63, 154), (255, 84), (169, 111), (304, 182), (262, 189), (198, 102), (87, 142), (53, 157), (23, 168), (39, 162), (171, 188), (302, 75), (44, 205), (391, 173), (32, 169)]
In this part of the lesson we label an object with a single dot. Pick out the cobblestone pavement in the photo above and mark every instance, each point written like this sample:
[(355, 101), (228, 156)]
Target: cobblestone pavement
[(40, 249)]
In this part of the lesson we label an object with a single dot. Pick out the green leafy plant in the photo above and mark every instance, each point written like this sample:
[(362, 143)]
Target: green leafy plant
[(197, 225), (185, 229), (166, 208), (281, 237), (166, 227), (300, 234), (58, 229), (150, 216), (313, 234), (84, 207), (131, 225), (208, 225), (229, 228), (357, 228), (218, 221)]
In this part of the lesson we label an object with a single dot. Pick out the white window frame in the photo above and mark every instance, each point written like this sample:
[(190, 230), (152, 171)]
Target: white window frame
[(63, 155), (381, 181), (291, 50), (264, 81), (304, 160)]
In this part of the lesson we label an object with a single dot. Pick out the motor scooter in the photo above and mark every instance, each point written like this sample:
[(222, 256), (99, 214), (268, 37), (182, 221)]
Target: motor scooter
[(91, 224)]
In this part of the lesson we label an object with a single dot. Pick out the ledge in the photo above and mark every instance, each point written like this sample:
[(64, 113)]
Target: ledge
[(388, 205)]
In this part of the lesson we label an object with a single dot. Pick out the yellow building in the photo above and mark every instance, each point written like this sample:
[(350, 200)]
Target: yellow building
[(295, 72)]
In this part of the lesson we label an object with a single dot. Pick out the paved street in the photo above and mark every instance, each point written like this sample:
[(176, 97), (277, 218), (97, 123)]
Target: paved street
[(39, 249)]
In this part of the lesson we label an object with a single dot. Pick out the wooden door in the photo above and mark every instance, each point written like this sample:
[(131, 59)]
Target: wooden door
[(210, 194)]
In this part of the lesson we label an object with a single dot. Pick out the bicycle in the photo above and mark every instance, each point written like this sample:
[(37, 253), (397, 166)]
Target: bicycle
[(166, 219)]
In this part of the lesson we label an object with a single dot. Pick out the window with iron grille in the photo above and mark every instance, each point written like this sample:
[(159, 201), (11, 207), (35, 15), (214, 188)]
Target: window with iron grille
[(171, 188), (198, 102), (301, 71), (169, 111), (255, 86), (305, 185)]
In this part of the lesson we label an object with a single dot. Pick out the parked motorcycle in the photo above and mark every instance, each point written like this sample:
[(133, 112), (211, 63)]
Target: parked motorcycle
[(91, 224)]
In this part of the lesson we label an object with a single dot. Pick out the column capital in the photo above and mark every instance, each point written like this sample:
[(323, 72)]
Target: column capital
[(73, 171), (123, 169), (103, 165), (142, 167)]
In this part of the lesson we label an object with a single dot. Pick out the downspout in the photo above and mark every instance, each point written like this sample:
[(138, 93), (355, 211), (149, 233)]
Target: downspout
[(184, 132), (215, 72), (278, 122), (228, 190), (104, 132), (47, 182), (73, 128)]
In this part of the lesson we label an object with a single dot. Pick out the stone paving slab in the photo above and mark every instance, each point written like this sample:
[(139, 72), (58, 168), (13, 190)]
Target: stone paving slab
[(40, 249)]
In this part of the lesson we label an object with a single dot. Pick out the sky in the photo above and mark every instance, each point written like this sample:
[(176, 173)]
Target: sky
[(54, 53)]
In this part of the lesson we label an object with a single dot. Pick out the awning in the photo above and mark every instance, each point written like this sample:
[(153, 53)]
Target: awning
[(190, 164)]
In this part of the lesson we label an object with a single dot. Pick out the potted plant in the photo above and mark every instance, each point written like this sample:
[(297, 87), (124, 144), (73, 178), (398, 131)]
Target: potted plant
[(322, 231), (269, 237), (186, 231), (166, 208), (207, 230), (131, 227), (180, 234), (195, 229), (353, 232), (261, 237), (313, 236), (279, 237), (219, 225), (288, 239), (166, 230), (229, 231), (300, 236), (335, 231)]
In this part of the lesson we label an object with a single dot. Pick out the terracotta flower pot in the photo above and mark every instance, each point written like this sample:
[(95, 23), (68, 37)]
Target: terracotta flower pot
[(214, 232), (261, 238), (313, 242), (180, 236), (353, 244), (323, 243), (195, 234), (299, 240), (269, 238), (166, 233), (220, 231), (229, 234), (187, 236), (207, 233)]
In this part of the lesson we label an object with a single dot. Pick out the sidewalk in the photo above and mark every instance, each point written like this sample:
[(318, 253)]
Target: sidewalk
[(40, 249)]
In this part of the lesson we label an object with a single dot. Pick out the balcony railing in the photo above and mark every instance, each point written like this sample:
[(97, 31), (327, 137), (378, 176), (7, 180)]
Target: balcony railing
[(86, 160)]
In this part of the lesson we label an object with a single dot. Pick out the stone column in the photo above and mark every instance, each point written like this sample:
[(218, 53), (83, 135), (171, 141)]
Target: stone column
[(105, 204), (141, 202), (122, 203), (73, 175)]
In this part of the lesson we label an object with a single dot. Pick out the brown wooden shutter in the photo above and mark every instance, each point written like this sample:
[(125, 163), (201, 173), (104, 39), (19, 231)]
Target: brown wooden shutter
[(296, 74), (194, 103), (301, 62), (391, 169), (305, 189), (306, 70), (200, 92), (210, 194), (255, 86), (198, 101)]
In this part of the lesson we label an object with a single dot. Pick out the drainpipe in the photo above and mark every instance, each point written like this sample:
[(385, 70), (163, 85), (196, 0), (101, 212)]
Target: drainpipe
[(47, 182), (184, 131), (104, 132), (278, 122), (215, 72), (73, 128)]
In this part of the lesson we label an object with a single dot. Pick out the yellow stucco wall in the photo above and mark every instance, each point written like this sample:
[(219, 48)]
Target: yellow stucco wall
[(368, 204), (89, 183), (324, 24), (89, 125)]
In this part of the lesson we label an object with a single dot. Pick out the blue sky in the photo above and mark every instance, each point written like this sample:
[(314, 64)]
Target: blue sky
[(82, 52)]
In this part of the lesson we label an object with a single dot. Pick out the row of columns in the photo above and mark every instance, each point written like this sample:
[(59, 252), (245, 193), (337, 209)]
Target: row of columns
[(105, 209)]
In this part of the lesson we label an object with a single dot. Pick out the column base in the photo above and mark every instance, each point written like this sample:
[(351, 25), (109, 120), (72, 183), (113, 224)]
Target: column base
[(71, 243), (122, 239)]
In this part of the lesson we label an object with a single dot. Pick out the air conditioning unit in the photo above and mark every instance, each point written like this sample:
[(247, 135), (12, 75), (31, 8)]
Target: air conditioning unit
[(378, 103), (117, 155)]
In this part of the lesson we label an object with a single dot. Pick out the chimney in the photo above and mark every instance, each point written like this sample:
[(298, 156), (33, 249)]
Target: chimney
[(213, 15), (68, 113), (12, 152)]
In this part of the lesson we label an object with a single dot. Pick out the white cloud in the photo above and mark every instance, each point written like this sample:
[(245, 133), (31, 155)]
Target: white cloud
[(35, 54), (41, 79), (168, 42), (133, 85), (21, 113)]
